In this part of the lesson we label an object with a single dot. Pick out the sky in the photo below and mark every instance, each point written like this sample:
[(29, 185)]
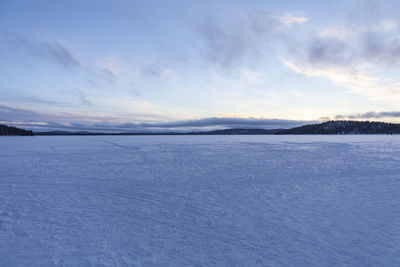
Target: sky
[(188, 65)]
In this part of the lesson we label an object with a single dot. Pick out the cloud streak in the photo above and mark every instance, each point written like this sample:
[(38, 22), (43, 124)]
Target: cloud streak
[(358, 82), (53, 52), (229, 123), (38, 121), (370, 115), (290, 19)]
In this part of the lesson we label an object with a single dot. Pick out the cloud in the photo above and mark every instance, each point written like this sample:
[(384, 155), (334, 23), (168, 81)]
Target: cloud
[(334, 33), (378, 49), (158, 74), (81, 95), (224, 46), (370, 45), (101, 78), (251, 76), (289, 19), (244, 38), (347, 32), (357, 82), (326, 51), (152, 71), (12, 94), (16, 114), (370, 115), (107, 76), (230, 123), (248, 37), (53, 52), (300, 95), (351, 56), (116, 72), (39, 121), (385, 26)]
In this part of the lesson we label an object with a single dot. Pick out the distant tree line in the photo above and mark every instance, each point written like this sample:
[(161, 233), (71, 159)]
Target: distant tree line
[(9, 130), (329, 127), (345, 127)]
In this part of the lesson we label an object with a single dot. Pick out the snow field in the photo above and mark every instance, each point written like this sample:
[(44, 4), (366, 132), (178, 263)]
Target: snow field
[(200, 201)]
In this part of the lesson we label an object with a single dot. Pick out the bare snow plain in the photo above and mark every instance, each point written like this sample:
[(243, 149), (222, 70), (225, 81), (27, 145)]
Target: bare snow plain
[(200, 201)]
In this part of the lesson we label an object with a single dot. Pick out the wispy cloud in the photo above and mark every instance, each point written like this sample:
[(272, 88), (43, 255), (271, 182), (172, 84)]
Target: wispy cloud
[(289, 19), (12, 94), (347, 33), (107, 75), (247, 37), (375, 45), (356, 81), (300, 95), (251, 76), (81, 95), (159, 74), (54, 52)]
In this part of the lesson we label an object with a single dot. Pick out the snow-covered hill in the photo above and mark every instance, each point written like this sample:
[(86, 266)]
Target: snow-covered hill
[(345, 127)]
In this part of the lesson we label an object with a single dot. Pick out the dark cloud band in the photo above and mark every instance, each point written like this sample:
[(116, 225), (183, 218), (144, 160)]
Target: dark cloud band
[(370, 115), (45, 122)]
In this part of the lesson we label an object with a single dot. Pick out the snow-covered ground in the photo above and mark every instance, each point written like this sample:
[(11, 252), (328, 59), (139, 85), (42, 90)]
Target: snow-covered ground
[(200, 201)]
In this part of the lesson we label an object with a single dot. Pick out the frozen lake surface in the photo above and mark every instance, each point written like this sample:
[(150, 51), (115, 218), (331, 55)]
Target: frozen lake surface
[(200, 201)]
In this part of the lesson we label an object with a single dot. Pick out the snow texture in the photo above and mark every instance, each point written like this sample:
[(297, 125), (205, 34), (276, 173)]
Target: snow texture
[(200, 201)]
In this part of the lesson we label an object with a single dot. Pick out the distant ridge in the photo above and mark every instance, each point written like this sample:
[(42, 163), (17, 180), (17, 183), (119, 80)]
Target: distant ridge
[(239, 131), (325, 128), (235, 131), (9, 130), (345, 127)]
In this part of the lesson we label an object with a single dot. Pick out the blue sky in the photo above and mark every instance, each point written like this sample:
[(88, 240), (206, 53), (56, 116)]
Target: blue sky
[(133, 65)]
